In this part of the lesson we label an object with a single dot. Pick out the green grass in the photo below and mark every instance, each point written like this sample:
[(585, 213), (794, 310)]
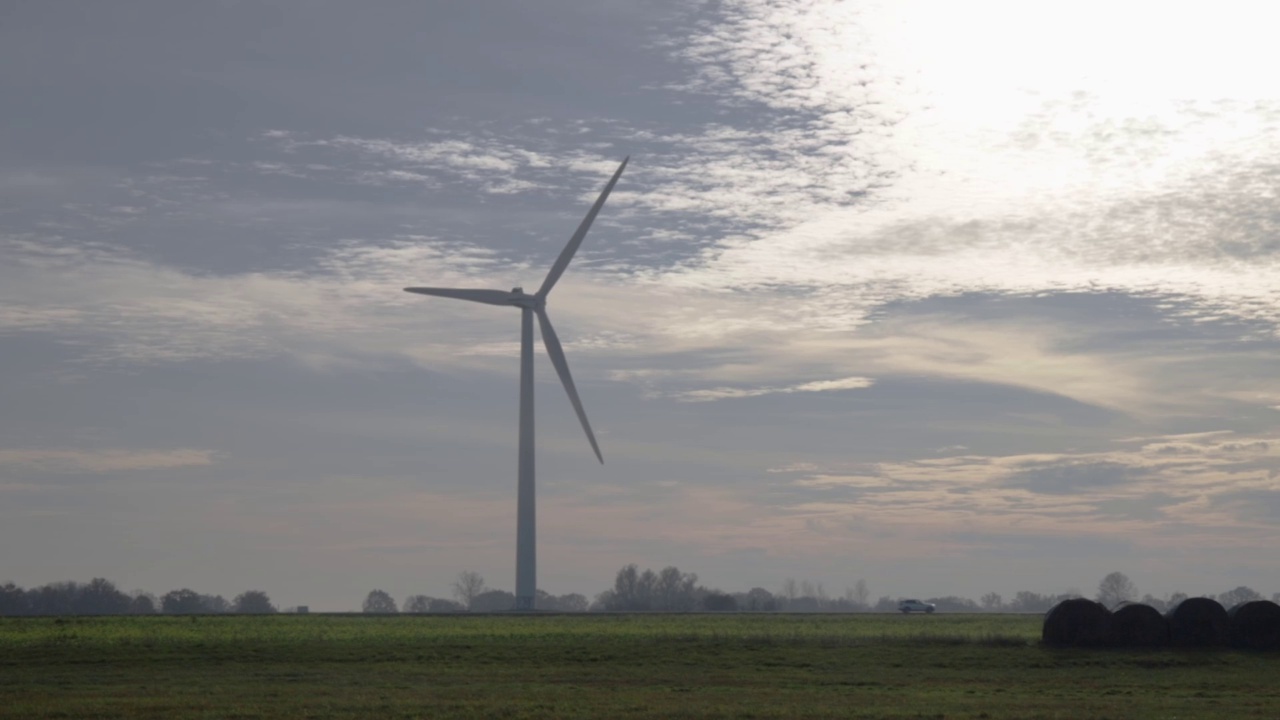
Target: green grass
[(628, 666)]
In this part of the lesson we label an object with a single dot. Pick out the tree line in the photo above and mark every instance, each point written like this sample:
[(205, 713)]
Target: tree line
[(101, 597), (634, 590), (671, 590)]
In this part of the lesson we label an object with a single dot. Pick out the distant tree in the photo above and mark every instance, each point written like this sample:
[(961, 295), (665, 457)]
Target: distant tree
[(632, 590), (804, 603), (807, 590), (53, 599), (1174, 599), (99, 597), (467, 586), (444, 606), (861, 595), (992, 602), (253, 602), (572, 602), (493, 601), (182, 602), (790, 590), (1242, 594), (604, 602), (717, 601), (13, 600), (143, 603), (646, 587), (673, 591), (841, 604), (952, 603), (378, 601), (416, 604), (1025, 601), (758, 600), (215, 604), (1116, 588), (885, 604), (1154, 602)]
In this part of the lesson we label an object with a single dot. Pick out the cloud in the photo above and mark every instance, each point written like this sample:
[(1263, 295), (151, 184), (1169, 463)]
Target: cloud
[(722, 393), (1002, 179), (1143, 488), (798, 235), (101, 461), (1072, 478)]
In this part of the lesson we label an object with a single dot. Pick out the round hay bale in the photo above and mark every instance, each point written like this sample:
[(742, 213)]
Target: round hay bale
[(1198, 622), (1255, 625), (1138, 625), (1077, 622)]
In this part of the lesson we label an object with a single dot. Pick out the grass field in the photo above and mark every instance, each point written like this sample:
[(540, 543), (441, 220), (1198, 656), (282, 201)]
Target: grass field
[(626, 666)]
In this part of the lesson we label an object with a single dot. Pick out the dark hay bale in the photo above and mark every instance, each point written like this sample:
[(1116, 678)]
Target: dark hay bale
[(1077, 622), (1255, 625), (1198, 622), (1138, 625)]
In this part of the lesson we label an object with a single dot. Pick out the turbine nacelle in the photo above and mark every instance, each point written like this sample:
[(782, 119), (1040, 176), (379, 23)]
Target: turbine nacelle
[(520, 298)]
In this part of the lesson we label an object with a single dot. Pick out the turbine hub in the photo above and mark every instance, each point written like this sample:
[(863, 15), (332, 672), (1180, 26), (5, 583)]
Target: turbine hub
[(520, 298)]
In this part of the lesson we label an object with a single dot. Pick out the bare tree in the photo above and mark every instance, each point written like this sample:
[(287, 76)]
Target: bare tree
[(806, 589), (789, 589), (467, 586), (861, 595), (992, 601), (1116, 588)]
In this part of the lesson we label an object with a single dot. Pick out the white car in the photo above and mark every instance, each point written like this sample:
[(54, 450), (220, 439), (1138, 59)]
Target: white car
[(910, 606)]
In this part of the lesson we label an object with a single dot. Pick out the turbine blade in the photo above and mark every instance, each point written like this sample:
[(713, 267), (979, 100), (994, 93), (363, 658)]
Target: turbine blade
[(566, 255), (562, 369), (492, 297)]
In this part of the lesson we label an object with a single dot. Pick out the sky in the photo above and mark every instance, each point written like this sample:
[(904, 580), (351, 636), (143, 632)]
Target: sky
[(950, 297)]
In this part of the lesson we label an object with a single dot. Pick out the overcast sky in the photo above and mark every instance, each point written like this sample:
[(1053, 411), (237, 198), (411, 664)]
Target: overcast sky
[(952, 297)]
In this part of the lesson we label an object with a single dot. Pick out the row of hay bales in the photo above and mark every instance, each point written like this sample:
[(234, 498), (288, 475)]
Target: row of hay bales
[(1194, 622)]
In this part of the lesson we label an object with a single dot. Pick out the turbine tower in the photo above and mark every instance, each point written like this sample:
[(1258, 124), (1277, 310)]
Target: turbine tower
[(531, 305)]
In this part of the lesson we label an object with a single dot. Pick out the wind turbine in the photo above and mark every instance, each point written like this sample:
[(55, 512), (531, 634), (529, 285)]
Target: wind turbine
[(531, 305)]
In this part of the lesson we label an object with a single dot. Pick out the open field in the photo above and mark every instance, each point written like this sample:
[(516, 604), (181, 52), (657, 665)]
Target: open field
[(630, 666)]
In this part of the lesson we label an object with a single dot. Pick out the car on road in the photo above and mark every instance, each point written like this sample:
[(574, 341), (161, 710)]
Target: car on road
[(909, 606)]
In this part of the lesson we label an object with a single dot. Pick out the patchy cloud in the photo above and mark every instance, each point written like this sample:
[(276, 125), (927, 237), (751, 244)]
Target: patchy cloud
[(100, 461), (723, 393)]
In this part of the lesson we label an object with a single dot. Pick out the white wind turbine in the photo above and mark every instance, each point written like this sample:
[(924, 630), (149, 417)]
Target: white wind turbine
[(530, 305)]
